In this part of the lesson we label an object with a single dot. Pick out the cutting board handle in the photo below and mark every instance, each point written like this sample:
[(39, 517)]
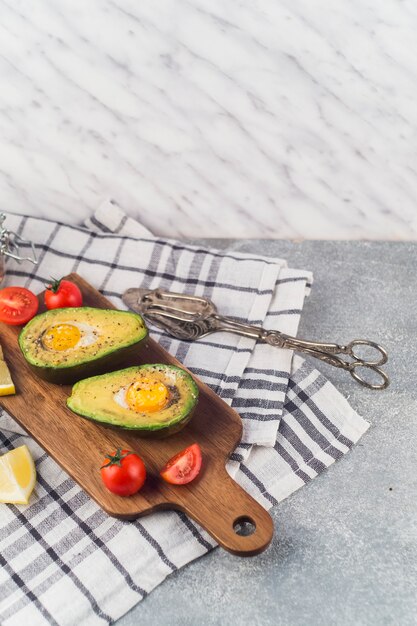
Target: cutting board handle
[(224, 513)]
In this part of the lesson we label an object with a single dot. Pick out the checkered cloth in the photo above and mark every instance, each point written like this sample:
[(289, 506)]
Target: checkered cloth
[(62, 550)]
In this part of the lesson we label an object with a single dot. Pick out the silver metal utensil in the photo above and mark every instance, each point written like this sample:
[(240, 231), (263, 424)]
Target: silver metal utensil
[(9, 247), (191, 317)]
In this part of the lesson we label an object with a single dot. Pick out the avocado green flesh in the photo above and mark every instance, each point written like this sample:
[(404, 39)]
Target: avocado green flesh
[(108, 338), (101, 398)]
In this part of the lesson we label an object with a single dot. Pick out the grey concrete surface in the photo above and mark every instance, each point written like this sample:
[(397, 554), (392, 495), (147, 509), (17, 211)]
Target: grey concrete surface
[(345, 546)]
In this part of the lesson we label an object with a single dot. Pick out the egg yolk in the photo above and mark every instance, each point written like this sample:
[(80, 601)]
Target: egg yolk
[(147, 395), (61, 337)]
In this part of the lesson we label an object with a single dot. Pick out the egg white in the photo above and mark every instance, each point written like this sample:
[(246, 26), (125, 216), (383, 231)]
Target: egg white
[(120, 397), (89, 334)]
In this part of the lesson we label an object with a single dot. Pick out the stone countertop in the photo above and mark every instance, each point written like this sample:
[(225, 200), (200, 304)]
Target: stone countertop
[(276, 118), (345, 548)]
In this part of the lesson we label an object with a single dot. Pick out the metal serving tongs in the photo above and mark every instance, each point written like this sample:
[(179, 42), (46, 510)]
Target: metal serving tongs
[(191, 317), (9, 247)]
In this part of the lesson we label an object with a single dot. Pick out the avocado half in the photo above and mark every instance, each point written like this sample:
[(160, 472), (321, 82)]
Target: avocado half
[(105, 399), (104, 338)]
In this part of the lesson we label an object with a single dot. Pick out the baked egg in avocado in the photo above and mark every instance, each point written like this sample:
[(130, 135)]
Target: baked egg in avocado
[(150, 399), (65, 345)]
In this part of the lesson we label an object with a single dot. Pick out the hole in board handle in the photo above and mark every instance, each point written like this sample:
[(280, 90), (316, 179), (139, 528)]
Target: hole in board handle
[(244, 526)]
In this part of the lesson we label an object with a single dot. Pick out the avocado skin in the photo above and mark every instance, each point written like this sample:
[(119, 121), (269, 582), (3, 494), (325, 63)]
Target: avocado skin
[(115, 359), (69, 375), (161, 433)]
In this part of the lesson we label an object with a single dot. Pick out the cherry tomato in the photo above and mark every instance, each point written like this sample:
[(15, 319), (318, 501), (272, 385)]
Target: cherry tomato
[(183, 467), (17, 305), (123, 472), (62, 293)]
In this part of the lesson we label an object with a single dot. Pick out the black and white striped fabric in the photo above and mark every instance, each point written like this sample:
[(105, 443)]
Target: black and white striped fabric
[(63, 560)]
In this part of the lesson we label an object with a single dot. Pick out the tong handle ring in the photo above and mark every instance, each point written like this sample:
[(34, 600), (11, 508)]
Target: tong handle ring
[(350, 350), (357, 365)]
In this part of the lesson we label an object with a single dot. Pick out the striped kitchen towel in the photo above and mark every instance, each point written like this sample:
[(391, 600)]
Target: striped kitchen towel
[(62, 550)]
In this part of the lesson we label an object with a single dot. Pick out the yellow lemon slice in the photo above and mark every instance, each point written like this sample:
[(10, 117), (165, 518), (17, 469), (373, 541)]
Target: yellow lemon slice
[(17, 476), (6, 383)]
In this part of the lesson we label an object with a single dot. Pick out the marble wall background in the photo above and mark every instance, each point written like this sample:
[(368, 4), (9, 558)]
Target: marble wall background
[(246, 118)]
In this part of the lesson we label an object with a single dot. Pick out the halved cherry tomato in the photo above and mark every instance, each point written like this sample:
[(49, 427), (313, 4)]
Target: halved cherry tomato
[(17, 305), (183, 467), (123, 472), (62, 293)]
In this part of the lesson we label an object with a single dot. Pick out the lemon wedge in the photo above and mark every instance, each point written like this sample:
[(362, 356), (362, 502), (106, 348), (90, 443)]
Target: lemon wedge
[(17, 476), (6, 383)]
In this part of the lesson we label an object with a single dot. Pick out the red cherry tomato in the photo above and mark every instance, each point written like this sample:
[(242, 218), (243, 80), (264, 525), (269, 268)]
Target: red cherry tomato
[(183, 467), (62, 293), (17, 305), (123, 472)]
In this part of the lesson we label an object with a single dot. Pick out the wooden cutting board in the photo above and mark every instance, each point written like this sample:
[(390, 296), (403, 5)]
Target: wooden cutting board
[(214, 499)]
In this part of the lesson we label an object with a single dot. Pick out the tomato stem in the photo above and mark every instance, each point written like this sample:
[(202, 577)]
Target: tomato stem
[(53, 285), (115, 459)]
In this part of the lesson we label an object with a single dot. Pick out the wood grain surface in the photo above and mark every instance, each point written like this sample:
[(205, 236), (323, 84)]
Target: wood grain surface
[(214, 499)]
